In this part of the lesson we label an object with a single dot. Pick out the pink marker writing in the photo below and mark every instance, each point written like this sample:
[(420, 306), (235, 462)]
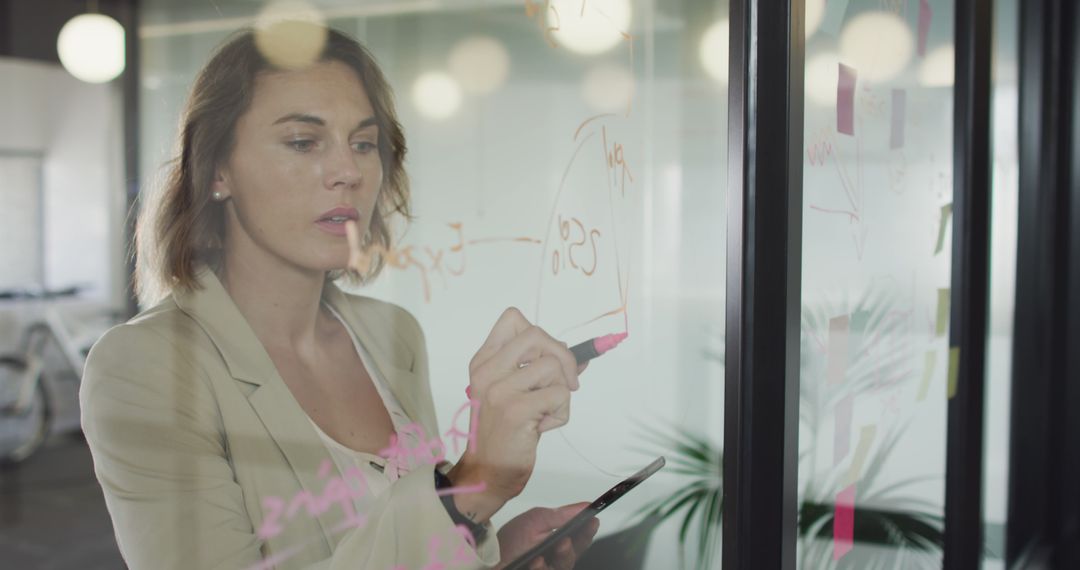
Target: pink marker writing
[(337, 491), (401, 457)]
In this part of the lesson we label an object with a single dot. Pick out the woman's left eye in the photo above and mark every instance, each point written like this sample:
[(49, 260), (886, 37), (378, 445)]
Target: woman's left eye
[(364, 146), (301, 145)]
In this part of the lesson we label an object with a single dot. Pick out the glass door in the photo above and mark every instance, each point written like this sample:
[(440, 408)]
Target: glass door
[(876, 367)]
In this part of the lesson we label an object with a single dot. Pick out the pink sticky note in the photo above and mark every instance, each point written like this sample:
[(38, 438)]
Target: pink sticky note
[(899, 112), (844, 522), (842, 428), (845, 100), (839, 331), (926, 14)]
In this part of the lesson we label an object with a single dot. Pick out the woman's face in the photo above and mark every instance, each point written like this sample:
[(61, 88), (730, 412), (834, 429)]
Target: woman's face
[(307, 146)]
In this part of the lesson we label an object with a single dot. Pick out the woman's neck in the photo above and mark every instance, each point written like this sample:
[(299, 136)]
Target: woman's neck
[(281, 304)]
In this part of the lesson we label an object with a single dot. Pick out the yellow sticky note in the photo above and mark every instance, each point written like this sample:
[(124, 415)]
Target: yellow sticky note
[(954, 369), (928, 373), (942, 311), (866, 439), (946, 213)]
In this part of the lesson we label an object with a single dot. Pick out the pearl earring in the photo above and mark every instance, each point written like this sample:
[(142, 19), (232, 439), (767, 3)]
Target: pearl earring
[(218, 196)]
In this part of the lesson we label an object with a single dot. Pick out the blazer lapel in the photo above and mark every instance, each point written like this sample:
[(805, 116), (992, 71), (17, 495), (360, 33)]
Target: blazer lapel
[(273, 402), (394, 359)]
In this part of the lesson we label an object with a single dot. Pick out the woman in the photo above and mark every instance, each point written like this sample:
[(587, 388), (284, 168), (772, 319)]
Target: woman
[(239, 421)]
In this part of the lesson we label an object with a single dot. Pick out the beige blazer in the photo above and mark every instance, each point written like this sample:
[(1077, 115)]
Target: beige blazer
[(191, 428)]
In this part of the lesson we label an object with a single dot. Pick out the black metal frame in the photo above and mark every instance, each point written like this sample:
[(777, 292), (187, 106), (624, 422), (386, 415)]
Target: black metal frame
[(1044, 505), (129, 17), (972, 160), (1068, 538), (761, 417)]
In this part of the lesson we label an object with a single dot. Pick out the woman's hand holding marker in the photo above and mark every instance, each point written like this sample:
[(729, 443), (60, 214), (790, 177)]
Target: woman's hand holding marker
[(522, 378)]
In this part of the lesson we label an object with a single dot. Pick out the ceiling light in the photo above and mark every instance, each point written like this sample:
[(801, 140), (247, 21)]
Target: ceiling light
[(937, 70), (877, 44), (608, 88), (589, 27), (480, 64), (290, 34), (436, 95), (714, 51), (91, 47), (822, 76), (815, 13)]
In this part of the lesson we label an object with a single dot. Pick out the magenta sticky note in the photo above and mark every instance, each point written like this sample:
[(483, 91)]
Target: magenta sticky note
[(842, 428), (845, 100), (899, 114), (844, 522), (926, 15)]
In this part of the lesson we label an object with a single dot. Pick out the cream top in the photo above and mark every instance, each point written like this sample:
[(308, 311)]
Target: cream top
[(376, 472)]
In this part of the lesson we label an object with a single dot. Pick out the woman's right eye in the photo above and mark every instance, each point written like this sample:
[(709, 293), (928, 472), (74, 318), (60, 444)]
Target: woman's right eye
[(301, 145)]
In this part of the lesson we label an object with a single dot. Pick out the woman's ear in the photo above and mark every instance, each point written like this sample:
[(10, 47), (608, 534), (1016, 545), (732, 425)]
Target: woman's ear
[(220, 186)]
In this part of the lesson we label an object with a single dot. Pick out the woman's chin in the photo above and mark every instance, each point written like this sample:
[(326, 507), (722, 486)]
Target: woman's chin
[(325, 265), (356, 262)]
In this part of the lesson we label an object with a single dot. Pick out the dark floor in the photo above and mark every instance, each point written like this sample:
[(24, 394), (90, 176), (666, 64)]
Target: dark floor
[(52, 514)]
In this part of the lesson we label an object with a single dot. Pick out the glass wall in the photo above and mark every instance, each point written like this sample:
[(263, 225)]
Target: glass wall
[(567, 159), (876, 363)]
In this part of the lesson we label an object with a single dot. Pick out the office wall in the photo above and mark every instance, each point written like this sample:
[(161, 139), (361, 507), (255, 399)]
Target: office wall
[(75, 127)]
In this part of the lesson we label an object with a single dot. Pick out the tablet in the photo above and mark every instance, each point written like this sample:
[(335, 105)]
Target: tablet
[(586, 514)]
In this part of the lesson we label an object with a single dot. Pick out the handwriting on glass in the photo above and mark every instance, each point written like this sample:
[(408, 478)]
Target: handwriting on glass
[(534, 12), (616, 162), (819, 149), (336, 491), (564, 254), (461, 555), (401, 457), (429, 261)]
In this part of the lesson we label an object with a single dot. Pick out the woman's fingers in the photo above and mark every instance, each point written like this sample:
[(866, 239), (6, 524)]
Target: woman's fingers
[(527, 347), (540, 373), (550, 405), (510, 323), (584, 537), (562, 556)]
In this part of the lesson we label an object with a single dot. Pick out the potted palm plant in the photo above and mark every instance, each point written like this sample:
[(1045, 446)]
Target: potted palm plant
[(910, 529)]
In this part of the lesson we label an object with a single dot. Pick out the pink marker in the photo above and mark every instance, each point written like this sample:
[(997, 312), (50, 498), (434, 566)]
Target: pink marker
[(587, 350), (594, 347)]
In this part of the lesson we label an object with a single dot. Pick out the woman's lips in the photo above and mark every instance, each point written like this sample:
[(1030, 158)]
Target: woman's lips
[(343, 215), (334, 228)]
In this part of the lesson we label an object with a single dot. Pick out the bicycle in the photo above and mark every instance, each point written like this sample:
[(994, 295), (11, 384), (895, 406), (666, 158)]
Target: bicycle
[(34, 391)]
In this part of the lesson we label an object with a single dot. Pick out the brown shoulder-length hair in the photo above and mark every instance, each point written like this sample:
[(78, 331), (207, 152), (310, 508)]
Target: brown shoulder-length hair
[(181, 227)]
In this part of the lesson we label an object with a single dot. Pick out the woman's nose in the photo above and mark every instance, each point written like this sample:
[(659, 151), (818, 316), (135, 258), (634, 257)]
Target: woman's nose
[(343, 168)]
